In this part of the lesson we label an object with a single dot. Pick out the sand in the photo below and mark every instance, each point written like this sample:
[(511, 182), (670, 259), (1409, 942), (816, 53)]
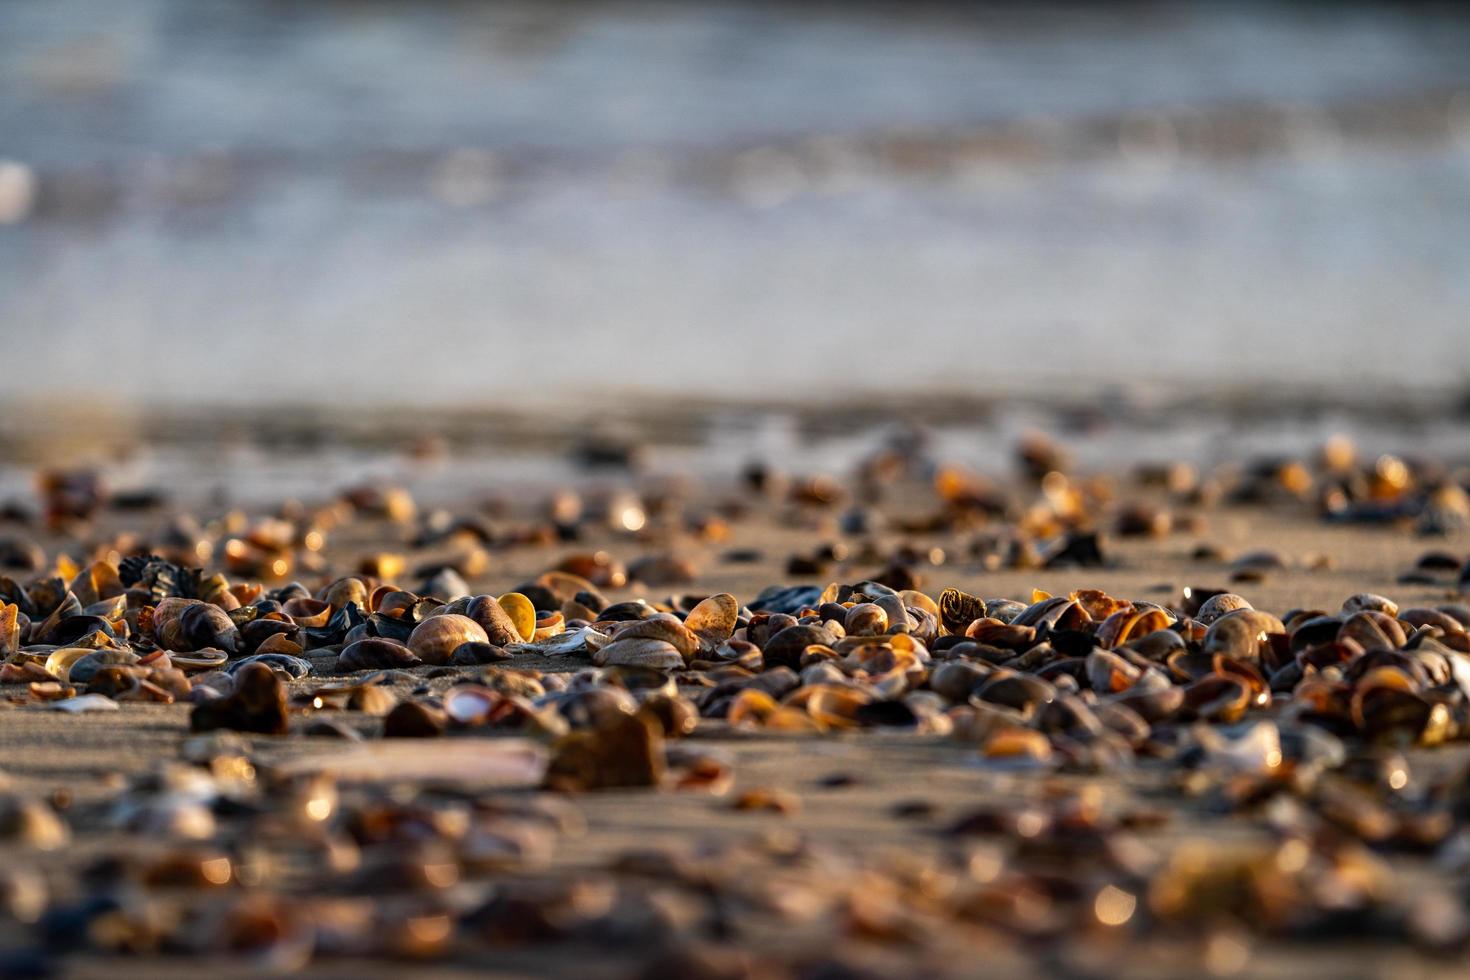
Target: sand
[(900, 794)]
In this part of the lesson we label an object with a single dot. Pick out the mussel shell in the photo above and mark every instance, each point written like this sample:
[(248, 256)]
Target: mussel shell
[(83, 670), (1014, 690), (294, 667), (72, 628), (786, 647)]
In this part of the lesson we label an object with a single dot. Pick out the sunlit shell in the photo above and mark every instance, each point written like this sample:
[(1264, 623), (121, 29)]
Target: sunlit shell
[(713, 619), (521, 612), (865, 619), (58, 664), (469, 704), (1018, 746), (957, 610), (552, 624), (639, 651), (830, 705), (662, 627), (435, 639)]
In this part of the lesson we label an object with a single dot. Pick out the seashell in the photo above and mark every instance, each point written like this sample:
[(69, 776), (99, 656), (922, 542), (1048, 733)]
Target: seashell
[(552, 624), (84, 703), (475, 654), (626, 752), (376, 653), (639, 651), (256, 704), (957, 680), (586, 640), (73, 630), (197, 660), (1158, 645), (753, 708), (67, 606), (279, 643), (957, 610), (865, 619), (1418, 617), (435, 639), (787, 647), (830, 705), (344, 591), (1242, 635), (469, 705), (393, 603), (114, 682), (1019, 691), (1005, 610), (308, 613), (1119, 717), (82, 669), (202, 625), (1018, 747), (897, 614), (499, 628), (1315, 630), (259, 630), (675, 716), (742, 653), (10, 629), (993, 632), (293, 667), (1367, 601), (1218, 605), (662, 627), (1069, 715), (414, 719), (1108, 673), (1217, 698), (58, 662), (714, 619), (594, 707), (1373, 630), (1056, 612), (522, 615)]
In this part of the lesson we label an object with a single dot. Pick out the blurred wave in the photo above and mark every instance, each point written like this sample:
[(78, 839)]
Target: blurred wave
[(531, 204)]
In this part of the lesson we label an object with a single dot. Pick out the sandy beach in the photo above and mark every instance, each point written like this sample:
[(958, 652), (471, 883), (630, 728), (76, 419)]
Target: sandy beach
[(783, 881)]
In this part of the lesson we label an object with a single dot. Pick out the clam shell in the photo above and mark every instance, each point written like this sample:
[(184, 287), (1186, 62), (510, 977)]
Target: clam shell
[(1218, 605), (435, 639), (196, 660), (661, 627), (470, 704), (60, 661), (639, 651), (713, 619)]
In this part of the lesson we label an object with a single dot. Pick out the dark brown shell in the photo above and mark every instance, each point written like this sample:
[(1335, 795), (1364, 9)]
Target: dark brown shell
[(376, 653)]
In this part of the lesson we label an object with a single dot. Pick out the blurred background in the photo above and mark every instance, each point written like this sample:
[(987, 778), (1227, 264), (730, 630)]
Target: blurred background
[(752, 215)]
